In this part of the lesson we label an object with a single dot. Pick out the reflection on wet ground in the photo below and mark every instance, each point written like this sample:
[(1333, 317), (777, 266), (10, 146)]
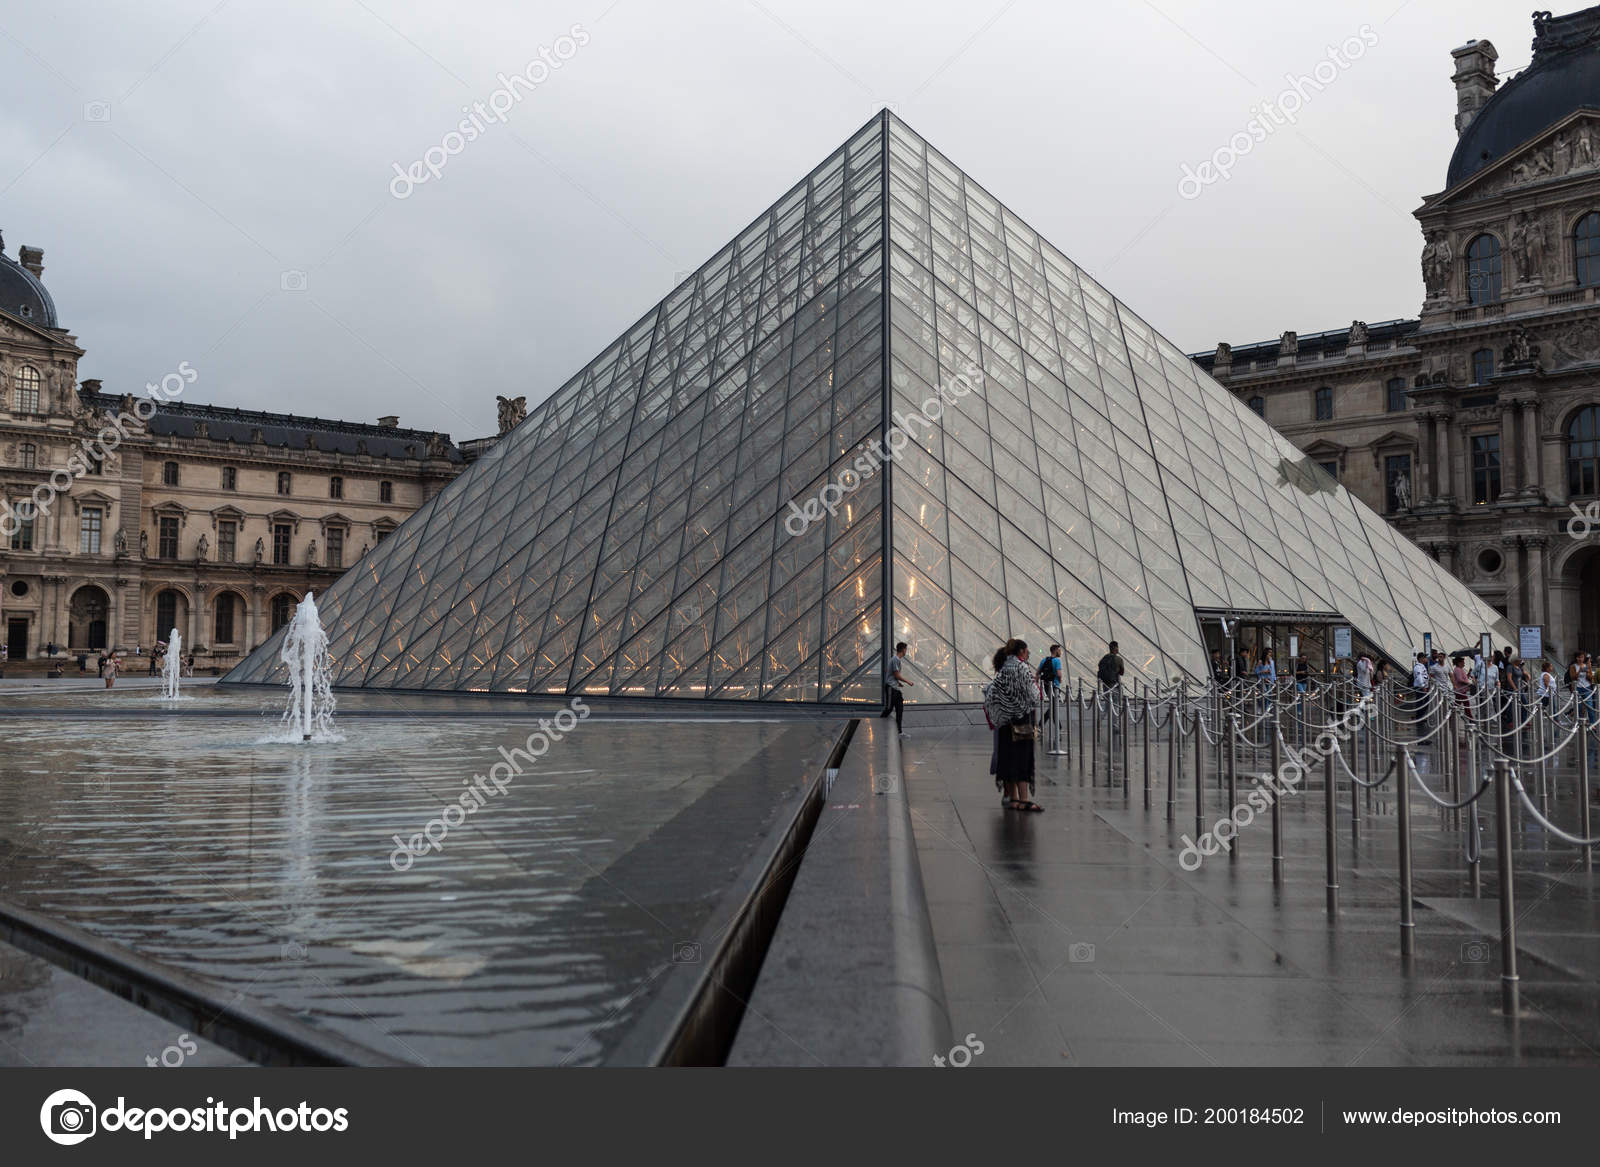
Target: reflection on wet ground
[(532, 935)]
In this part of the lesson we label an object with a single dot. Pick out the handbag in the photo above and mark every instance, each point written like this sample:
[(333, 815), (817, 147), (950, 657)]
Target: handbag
[(1023, 731)]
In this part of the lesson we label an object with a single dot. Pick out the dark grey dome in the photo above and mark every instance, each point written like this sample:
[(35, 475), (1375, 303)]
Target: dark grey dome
[(21, 294), (1564, 77)]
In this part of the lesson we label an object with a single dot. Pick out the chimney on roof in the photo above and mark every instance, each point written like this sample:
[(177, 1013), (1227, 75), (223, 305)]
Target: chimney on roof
[(1475, 80), (390, 422), (32, 258)]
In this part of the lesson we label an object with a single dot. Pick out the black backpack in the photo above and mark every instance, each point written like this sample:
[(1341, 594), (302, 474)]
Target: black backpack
[(1049, 670), (1110, 673)]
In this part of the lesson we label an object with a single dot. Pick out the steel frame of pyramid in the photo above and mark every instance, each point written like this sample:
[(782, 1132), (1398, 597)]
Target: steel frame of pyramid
[(636, 534)]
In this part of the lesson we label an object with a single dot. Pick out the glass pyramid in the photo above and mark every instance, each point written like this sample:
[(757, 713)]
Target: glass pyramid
[(644, 532)]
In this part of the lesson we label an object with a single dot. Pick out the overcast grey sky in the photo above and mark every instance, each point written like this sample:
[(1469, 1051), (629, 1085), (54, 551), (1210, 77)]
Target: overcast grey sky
[(175, 159)]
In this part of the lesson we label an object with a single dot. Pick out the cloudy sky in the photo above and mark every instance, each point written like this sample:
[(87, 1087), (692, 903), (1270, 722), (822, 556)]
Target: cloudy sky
[(211, 182)]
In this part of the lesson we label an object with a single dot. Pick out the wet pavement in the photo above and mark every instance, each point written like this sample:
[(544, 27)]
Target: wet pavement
[(536, 934), (1074, 937)]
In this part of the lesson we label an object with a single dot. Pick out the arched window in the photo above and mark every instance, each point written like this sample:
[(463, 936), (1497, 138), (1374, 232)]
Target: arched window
[(283, 482), (1395, 395), (166, 613), (1324, 404), (169, 474), (335, 487), (1586, 249), (1483, 270), (27, 380), (282, 608), (1482, 366), (1583, 451), (227, 609), (1259, 406)]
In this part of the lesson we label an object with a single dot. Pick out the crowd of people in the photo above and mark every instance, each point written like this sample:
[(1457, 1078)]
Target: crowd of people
[(1016, 700)]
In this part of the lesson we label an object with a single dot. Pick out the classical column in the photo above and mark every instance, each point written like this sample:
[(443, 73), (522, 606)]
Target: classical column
[(1530, 446), (1453, 454), (1430, 451), (1510, 464), (1538, 605), (1441, 457)]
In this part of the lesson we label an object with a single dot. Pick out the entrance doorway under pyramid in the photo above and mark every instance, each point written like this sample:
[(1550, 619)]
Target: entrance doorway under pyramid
[(888, 410)]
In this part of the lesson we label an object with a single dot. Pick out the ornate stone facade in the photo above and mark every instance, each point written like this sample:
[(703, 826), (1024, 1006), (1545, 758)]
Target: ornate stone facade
[(1473, 425), (160, 512)]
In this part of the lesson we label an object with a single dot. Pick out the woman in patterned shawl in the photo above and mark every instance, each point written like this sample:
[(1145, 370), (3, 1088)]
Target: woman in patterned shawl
[(1013, 700)]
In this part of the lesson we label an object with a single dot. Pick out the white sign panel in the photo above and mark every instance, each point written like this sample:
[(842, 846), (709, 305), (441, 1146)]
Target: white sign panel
[(1530, 641), (1341, 642)]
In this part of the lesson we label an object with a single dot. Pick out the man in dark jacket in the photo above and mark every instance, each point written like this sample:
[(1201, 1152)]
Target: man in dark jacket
[(1109, 673)]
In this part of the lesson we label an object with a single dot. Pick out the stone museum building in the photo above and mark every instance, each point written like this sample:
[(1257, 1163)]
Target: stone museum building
[(123, 516), (1475, 427)]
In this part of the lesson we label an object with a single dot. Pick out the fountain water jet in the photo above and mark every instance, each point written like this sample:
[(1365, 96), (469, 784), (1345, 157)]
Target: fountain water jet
[(173, 668), (305, 652)]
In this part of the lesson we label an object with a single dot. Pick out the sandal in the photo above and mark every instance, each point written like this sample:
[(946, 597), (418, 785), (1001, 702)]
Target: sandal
[(1025, 805)]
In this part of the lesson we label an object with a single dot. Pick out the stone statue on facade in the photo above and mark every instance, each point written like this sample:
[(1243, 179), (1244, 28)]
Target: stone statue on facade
[(1527, 240), (1224, 354), (261, 549), (311, 553), (1436, 260), (1521, 350), (144, 544), (120, 543), (1288, 344), (200, 548), (512, 411), (1402, 490), (1358, 333)]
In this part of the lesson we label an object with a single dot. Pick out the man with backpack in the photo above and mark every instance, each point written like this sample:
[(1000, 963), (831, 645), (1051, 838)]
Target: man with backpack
[(1109, 673), (1050, 674)]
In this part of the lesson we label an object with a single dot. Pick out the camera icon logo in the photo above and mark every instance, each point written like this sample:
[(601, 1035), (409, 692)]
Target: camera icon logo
[(885, 784), (686, 952), (293, 280), (68, 1117), (97, 111), (1081, 953), (1475, 952), (292, 950)]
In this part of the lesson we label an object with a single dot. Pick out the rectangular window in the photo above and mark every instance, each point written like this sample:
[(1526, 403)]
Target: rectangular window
[(169, 474), (230, 478), (227, 540), (382, 534), (30, 456), (1324, 404), (89, 531), (1397, 482), (1482, 366), (335, 546), (1331, 469), (385, 492), (95, 462), (1485, 468), (280, 543), (167, 545), (22, 537), (1395, 393), (335, 487)]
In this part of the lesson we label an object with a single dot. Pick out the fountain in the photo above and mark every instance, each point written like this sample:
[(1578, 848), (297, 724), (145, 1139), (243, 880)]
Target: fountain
[(173, 669), (305, 652)]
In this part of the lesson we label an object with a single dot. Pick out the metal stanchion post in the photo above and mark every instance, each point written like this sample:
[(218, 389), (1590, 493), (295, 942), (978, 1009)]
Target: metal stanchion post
[(1122, 703), (1583, 787), (1081, 739), (1330, 807), (1402, 778), (1094, 757), (1147, 747), (1233, 777), (1174, 749), (1055, 749), (1111, 736), (1277, 801), (1510, 991), (1199, 774)]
